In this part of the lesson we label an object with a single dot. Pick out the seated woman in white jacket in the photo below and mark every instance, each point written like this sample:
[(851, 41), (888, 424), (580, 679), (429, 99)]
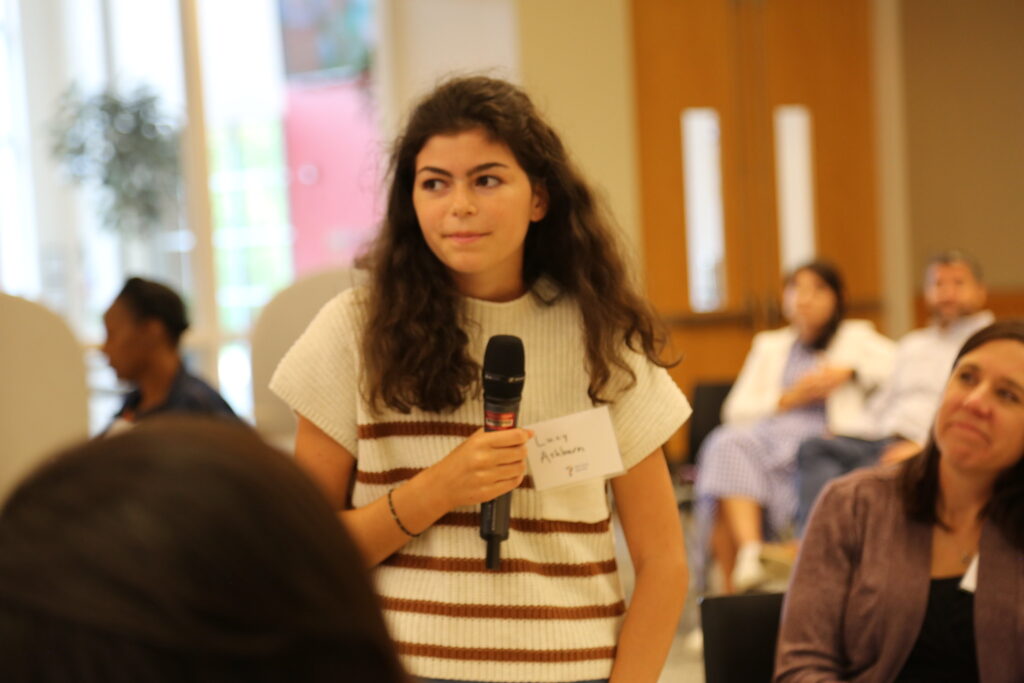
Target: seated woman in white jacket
[(804, 380)]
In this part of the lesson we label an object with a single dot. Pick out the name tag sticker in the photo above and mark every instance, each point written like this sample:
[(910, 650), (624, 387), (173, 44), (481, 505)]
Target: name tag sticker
[(572, 449), (970, 581)]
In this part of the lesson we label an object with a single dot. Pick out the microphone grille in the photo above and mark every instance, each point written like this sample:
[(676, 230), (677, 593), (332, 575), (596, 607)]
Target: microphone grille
[(504, 366)]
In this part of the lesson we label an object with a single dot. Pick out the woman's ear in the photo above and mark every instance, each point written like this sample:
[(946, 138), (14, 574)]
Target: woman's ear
[(539, 206), (155, 332)]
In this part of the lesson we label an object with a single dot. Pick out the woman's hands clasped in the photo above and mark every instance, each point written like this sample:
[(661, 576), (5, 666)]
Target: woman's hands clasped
[(816, 385), (484, 466)]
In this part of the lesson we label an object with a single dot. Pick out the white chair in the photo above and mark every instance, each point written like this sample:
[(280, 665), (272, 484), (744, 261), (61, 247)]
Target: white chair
[(44, 402), (279, 324)]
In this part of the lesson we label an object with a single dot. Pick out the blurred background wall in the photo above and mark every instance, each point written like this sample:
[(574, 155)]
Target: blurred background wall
[(259, 91)]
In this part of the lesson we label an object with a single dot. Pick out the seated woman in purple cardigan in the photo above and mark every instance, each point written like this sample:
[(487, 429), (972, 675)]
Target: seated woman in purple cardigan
[(916, 572)]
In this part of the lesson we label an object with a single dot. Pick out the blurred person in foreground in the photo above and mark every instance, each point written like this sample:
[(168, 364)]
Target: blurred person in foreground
[(915, 571), (183, 550), (144, 325), (900, 414)]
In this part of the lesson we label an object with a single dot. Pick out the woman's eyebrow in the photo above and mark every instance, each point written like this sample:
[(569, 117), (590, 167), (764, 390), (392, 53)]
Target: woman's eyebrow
[(473, 171), (998, 380), (1013, 385)]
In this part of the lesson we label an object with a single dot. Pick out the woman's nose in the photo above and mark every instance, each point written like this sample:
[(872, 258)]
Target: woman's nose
[(463, 203), (978, 399)]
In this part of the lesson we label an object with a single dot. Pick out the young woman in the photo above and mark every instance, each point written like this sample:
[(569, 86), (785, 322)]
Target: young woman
[(490, 230), (183, 550), (915, 572), (797, 382)]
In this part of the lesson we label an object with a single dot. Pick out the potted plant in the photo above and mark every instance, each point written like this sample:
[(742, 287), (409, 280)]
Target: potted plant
[(125, 145)]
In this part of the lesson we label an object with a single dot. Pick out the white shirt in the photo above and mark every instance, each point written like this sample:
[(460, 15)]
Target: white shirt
[(856, 344), (557, 605), (907, 402)]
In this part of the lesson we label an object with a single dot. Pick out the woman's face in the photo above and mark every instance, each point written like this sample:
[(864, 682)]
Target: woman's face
[(979, 427), (808, 302), (474, 204), (128, 343)]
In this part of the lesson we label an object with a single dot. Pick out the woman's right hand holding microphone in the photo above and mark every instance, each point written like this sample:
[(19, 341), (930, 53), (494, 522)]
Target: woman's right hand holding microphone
[(484, 466)]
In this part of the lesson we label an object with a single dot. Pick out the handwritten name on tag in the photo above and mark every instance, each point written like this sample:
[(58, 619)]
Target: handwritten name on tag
[(574, 448)]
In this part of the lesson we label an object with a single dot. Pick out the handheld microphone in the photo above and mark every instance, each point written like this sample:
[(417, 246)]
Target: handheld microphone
[(503, 377)]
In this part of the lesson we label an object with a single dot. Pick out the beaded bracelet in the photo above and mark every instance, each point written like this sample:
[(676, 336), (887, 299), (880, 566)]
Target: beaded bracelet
[(394, 516)]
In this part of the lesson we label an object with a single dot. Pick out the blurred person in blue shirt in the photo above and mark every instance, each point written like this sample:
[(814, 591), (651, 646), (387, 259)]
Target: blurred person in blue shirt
[(144, 325)]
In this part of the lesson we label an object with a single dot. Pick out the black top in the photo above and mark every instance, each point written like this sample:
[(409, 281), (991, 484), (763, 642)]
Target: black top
[(945, 649)]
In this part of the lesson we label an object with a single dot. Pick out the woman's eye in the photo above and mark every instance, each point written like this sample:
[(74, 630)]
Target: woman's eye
[(488, 181), (966, 376), (431, 184), (1008, 396)]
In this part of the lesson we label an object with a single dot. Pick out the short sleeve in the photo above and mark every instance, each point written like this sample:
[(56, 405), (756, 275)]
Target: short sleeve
[(319, 375), (646, 414)]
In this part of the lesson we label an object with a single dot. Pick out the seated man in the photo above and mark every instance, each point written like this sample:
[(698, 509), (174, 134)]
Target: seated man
[(900, 415), (144, 326)]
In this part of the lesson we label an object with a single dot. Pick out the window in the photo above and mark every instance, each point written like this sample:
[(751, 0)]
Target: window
[(705, 232), (794, 181), (19, 269), (292, 151)]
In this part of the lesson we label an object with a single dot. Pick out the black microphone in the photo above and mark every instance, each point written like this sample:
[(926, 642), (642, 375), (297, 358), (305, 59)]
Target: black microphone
[(503, 377)]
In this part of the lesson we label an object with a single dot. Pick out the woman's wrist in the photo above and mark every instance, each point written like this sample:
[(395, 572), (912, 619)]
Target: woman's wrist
[(398, 520), (429, 494), (412, 506)]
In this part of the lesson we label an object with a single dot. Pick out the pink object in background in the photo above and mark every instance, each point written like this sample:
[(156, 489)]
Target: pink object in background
[(334, 171)]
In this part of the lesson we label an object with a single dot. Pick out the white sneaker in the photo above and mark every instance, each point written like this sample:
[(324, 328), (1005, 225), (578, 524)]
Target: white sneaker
[(749, 574)]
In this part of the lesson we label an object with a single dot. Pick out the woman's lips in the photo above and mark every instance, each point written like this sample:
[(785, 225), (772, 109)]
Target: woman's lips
[(464, 237), (969, 428)]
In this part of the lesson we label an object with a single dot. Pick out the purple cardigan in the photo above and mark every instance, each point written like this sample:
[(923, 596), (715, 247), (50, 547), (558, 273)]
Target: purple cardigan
[(860, 587)]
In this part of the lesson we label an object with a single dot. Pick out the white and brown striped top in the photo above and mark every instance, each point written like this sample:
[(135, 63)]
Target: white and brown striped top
[(553, 611)]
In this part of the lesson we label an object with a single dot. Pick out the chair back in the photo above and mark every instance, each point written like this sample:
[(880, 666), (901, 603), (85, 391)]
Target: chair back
[(44, 402), (740, 635), (708, 398), (279, 324)]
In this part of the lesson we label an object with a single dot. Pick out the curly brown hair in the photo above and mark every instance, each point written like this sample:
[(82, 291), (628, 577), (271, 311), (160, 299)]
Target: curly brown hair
[(414, 343)]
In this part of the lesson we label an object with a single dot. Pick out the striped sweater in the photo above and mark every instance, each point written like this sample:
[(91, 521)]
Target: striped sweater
[(554, 610)]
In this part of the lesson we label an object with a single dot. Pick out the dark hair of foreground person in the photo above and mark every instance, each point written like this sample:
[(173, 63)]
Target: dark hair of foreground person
[(183, 550)]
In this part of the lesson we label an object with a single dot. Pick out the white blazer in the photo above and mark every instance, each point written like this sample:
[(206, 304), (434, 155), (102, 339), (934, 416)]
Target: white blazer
[(856, 344)]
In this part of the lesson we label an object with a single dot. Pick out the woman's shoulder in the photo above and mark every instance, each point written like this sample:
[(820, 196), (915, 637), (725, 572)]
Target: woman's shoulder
[(353, 298), (858, 327), (855, 337), (779, 336), (338, 321), (348, 305), (869, 484)]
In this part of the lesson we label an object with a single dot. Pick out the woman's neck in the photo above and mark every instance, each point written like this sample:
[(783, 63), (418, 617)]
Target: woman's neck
[(155, 384), (962, 498), (490, 290), (807, 335)]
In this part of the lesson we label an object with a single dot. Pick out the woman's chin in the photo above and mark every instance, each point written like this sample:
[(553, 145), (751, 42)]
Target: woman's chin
[(969, 461)]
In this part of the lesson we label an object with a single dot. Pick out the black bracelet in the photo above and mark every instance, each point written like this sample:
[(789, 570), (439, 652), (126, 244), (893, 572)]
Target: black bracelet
[(394, 516)]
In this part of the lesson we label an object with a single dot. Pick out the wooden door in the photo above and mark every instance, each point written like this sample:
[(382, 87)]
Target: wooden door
[(744, 58)]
